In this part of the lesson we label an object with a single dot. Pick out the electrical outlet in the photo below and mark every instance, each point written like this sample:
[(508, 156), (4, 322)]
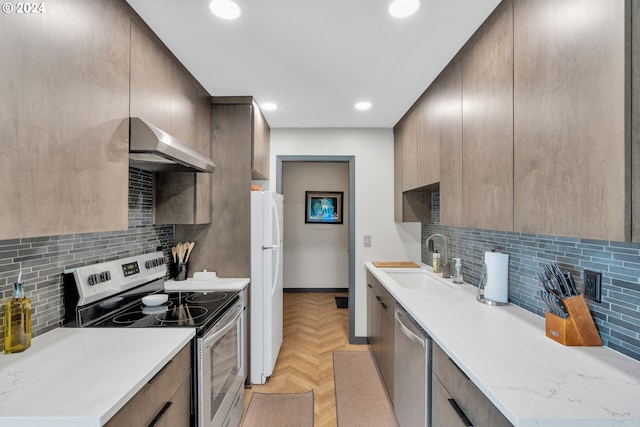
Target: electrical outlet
[(431, 246), (593, 285)]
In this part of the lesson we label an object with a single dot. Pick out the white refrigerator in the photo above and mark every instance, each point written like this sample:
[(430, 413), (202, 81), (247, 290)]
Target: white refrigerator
[(266, 283)]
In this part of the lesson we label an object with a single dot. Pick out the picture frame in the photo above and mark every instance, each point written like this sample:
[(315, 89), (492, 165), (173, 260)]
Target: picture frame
[(323, 207)]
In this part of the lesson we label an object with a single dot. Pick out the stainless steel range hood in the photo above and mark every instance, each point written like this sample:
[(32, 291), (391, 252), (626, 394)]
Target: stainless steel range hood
[(153, 149)]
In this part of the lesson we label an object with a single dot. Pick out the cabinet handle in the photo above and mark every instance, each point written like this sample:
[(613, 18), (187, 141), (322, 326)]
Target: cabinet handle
[(378, 298), (160, 371), (160, 414), (369, 285), (383, 305), (460, 413)]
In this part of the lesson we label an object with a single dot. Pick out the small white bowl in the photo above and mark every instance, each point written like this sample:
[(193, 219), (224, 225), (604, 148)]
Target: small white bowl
[(155, 299)]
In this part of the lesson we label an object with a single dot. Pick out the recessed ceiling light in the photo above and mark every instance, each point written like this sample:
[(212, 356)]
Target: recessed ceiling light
[(268, 106), (403, 8), (364, 105), (225, 9)]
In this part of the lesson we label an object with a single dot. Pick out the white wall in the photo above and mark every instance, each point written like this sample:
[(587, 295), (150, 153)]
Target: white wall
[(316, 255), (373, 152)]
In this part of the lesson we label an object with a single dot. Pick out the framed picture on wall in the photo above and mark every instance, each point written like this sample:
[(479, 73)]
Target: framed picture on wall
[(323, 207)]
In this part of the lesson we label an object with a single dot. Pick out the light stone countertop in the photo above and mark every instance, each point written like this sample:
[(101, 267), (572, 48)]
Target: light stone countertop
[(81, 377), (531, 379)]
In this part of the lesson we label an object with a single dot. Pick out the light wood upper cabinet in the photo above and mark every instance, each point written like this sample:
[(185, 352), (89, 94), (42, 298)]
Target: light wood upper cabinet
[(450, 139), (569, 147), (162, 92), (428, 151), (635, 117), (409, 131), (260, 146), (185, 197), (184, 100), (397, 173), (64, 120), (151, 71), (487, 109)]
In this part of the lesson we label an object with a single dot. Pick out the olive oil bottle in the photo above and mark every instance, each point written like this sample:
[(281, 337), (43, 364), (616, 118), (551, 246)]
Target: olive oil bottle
[(17, 320)]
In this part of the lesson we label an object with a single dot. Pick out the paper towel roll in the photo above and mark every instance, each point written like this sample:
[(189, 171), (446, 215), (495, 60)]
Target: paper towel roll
[(497, 281)]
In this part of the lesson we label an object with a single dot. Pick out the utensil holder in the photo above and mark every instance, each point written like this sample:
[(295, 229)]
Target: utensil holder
[(182, 272), (578, 329)]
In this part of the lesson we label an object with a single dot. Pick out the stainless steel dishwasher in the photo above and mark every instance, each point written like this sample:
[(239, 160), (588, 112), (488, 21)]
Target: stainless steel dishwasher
[(412, 372)]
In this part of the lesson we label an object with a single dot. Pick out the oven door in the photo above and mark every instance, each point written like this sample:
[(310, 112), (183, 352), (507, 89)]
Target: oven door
[(221, 370)]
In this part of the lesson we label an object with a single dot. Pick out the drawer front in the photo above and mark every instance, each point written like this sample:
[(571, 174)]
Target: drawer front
[(443, 412), (177, 411), (166, 383), (466, 395)]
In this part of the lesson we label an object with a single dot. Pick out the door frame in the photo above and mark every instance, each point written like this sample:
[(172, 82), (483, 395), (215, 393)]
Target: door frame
[(352, 223)]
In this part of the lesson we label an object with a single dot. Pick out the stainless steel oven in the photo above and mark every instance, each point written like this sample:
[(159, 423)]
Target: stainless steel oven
[(110, 294), (221, 371)]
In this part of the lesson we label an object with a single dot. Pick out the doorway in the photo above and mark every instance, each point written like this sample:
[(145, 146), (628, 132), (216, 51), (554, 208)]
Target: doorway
[(326, 229)]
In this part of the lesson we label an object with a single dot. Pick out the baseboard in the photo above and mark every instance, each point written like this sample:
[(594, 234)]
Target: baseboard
[(315, 290), (359, 340)]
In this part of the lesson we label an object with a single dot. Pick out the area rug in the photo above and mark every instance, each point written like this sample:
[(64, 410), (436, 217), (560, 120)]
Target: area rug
[(280, 409), (361, 398)]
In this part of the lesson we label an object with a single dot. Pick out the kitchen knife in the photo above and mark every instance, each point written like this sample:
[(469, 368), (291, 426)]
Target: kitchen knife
[(555, 287), (561, 308), (566, 288), (543, 297), (572, 283), (543, 281)]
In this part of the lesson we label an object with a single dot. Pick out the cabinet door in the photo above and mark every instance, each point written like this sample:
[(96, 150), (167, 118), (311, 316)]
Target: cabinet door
[(444, 410), (370, 303), (409, 133), (635, 117), (428, 137), (151, 71), (487, 108), (569, 147), (450, 121), (64, 120), (387, 334), (397, 173), (260, 146), (203, 140), (184, 96)]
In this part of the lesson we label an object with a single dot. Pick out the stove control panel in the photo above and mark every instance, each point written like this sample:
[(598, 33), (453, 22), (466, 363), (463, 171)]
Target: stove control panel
[(154, 263), (97, 281), (96, 278), (130, 268)]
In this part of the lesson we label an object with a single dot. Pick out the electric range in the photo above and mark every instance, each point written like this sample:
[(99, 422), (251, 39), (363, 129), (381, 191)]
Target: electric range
[(110, 294)]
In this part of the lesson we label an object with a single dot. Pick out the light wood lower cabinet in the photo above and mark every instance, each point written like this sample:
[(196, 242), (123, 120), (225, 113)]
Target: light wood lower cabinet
[(456, 400), (164, 401), (380, 328)]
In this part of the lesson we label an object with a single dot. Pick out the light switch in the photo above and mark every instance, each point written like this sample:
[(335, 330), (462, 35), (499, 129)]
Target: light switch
[(367, 241)]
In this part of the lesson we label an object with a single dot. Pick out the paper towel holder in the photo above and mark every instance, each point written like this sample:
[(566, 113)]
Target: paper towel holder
[(480, 297)]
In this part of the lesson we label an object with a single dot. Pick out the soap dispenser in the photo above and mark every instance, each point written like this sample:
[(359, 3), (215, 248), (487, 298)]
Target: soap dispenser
[(17, 320), (436, 261)]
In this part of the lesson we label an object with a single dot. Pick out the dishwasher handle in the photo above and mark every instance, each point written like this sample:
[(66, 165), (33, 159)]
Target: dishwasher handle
[(413, 337)]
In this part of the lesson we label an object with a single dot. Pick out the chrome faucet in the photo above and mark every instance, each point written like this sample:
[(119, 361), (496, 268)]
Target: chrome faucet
[(445, 263)]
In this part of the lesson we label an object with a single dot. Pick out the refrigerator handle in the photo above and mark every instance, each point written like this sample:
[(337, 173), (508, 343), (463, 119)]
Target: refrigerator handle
[(264, 248)]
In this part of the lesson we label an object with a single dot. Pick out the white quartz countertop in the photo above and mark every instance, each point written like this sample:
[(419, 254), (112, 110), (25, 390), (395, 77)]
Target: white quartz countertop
[(530, 378), (81, 377)]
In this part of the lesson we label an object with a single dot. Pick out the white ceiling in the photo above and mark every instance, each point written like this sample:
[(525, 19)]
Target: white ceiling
[(316, 59)]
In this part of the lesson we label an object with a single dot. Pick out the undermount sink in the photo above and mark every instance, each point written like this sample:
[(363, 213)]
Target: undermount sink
[(416, 279)]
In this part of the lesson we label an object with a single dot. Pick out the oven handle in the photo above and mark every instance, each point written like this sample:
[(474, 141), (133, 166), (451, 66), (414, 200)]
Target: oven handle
[(225, 329)]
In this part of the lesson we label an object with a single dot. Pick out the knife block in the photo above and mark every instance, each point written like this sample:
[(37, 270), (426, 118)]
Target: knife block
[(578, 329)]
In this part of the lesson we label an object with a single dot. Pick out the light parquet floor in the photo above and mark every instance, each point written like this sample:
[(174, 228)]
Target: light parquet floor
[(313, 328)]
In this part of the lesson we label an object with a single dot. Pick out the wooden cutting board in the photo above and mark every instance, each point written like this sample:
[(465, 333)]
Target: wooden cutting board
[(395, 264)]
